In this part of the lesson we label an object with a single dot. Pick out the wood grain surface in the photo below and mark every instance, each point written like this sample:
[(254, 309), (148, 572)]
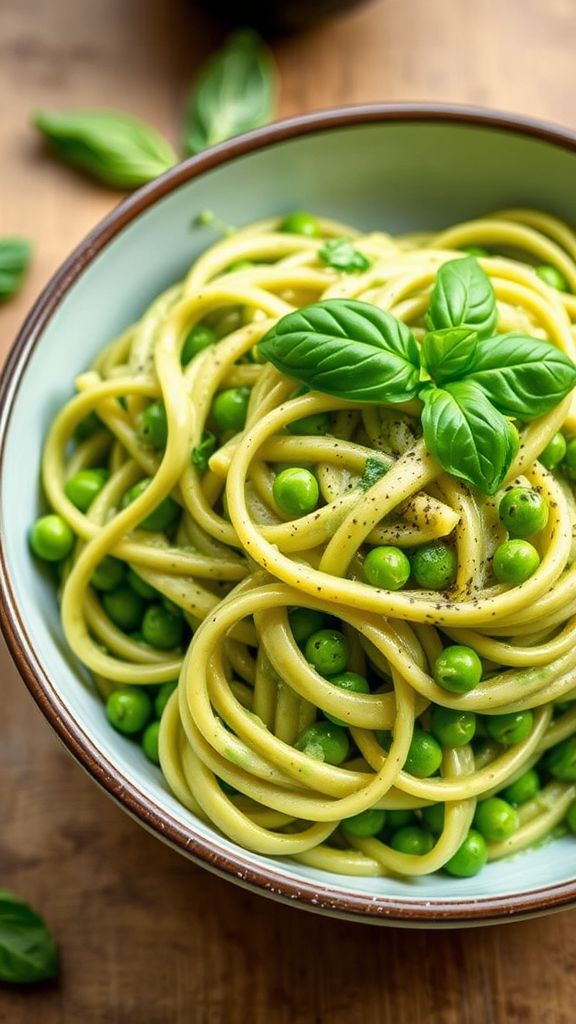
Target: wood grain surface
[(146, 937)]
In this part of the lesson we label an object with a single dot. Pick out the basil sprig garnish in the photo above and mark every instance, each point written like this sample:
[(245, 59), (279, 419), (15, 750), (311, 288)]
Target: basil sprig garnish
[(14, 260), (27, 950), (119, 150), (236, 92), (340, 254), (471, 383)]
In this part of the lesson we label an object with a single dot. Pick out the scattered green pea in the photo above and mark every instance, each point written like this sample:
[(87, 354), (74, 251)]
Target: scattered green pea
[(124, 607), (295, 491), (317, 424), (301, 223), (553, 277), (386, 567), (424, 755), (153, 425), (458, 669), (84, 486), (230, 408), (303, 622), (162, 629), (451, 727), (554, 452), (396, 819), (162, 517), (51, 539), (351, 681), (523, 789), (239, 265), (140, 586), (434, 566), (328, 651), (129, 709), (150, 742), (197, 339), (324, 742), (515, 561), (433, 817), (523, 511), (163, 696), (475, 250), (366, 823), (561, 760), (569, 463), (87, 427), (509, 729), (496, 819), (413, 840), (108, 574), (469, 858)]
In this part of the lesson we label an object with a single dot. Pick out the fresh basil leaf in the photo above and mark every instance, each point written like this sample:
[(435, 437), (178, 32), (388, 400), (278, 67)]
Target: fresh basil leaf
[(374, 470), (118, 150), (448, 354), (463, 296), (522, 376), (236, 92), (27, 950), (346, 348), (14, 260), (202, 452), (340, 254), (467, 435)]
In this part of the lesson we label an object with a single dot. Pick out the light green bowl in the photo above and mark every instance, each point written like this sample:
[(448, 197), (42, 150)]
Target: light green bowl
[(396, 168)]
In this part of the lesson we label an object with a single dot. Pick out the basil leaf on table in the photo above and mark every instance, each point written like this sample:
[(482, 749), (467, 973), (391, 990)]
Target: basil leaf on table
[(348, 349), (340, 254), (235, 93), (27, 950), (14, 260), (462, 296), (117, 149), (467, 435), (522, 376), (449, 353)]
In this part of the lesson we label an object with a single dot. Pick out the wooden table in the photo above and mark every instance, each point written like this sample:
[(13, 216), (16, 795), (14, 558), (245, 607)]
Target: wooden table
[(145, 936)]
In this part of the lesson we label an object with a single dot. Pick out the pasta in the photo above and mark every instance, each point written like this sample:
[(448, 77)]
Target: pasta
[(249, 586)]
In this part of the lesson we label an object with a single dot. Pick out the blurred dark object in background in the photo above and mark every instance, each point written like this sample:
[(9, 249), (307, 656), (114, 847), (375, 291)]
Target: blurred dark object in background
[(277, 16)]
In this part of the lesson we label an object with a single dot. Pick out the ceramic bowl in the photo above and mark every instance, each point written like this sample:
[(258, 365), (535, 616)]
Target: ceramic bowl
[(397, 168)]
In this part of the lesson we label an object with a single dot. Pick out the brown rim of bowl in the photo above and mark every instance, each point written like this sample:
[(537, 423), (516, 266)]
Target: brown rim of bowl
[(209, 852)]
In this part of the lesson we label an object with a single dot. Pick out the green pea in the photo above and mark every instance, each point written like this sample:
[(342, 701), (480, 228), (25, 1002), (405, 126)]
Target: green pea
[(129, 709), (83, 487), (496, 819), (515, 561), (396, 819), (124, 607), (295, 491), (301, 223), (451, 727), (434, 566), (324, 742), (424, 755), (366, 823), (413, 840), (162, 517), (352, 682), (161, 629), (387, 567), (108, 574), (553, 277), (316, 424), (163, 696), (328, 651), (475, 250), (87, 427), (51, 539), (523, 511), (237, 265), (458, 669), (197, 339), (140, 586), (303, 622), (469, 858), (510, 729), (172, 607), (149, 741), (569, 463), (433, 817), (523, 789), (554, 452), (571, 817), (561, 760), (230, 408), (153, 426)]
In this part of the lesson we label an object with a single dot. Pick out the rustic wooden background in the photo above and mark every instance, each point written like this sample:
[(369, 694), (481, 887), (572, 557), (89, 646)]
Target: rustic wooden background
[(144, 935)]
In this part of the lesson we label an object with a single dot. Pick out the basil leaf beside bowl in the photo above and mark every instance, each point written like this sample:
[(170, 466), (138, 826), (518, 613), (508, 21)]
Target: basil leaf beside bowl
[(348, 349), (235, 93), (119, 150), (27, 950), (462, 296), (14, 260), (449, 353), (467, 435), (522, 376)]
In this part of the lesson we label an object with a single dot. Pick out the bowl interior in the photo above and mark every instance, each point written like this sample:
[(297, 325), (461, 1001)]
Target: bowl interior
[(389, 176)]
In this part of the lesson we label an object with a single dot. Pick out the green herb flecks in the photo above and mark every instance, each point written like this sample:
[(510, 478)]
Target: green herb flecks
[(374, 470), (202, 452)]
